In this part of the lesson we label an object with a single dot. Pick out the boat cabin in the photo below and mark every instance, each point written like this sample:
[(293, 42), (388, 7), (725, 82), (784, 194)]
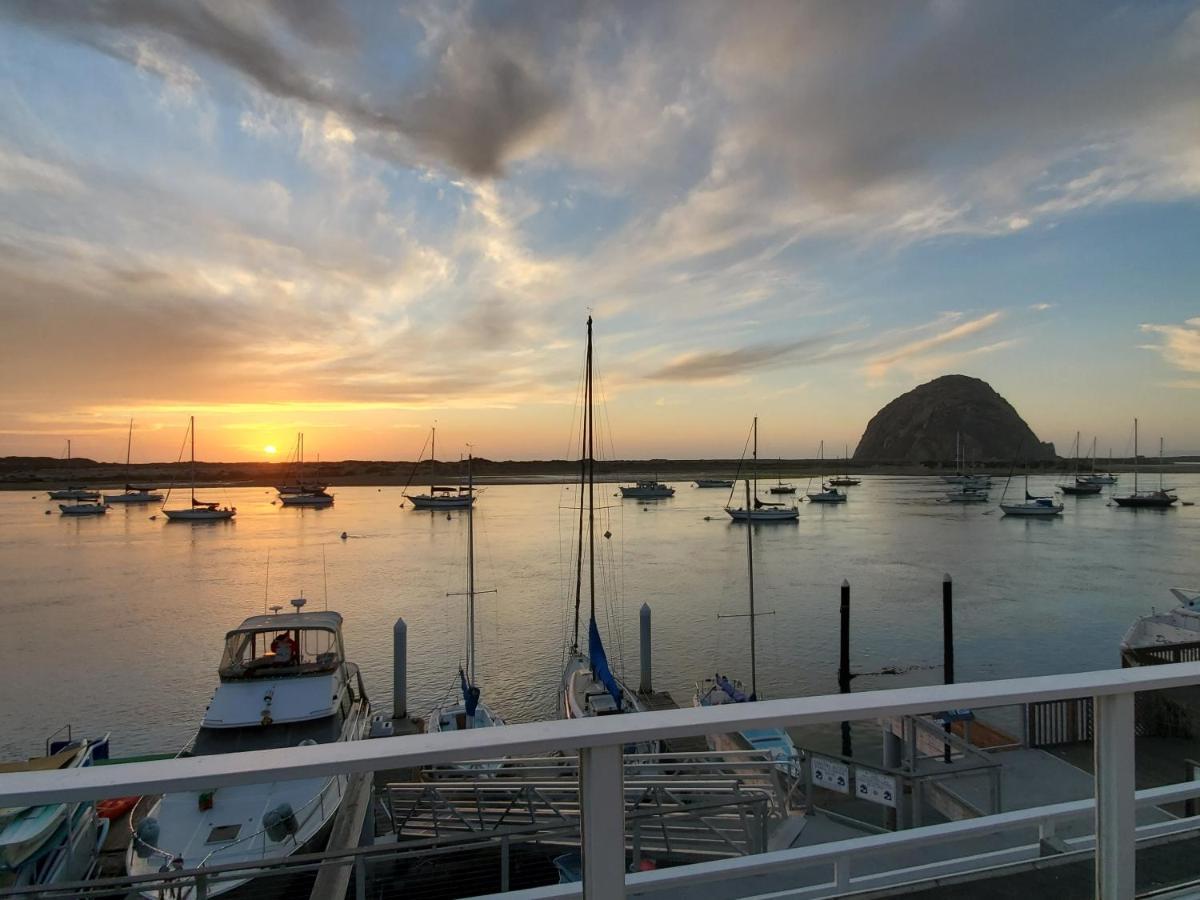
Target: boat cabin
[(283, 644)]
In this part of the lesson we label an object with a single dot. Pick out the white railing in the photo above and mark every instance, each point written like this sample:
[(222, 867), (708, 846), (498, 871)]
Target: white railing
[(600, 742)]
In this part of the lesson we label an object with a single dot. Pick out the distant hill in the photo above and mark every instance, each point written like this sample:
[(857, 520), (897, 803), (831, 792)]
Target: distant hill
[(921, 426)]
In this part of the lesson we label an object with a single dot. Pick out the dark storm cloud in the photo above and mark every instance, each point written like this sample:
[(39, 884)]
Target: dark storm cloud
[(479, 98)]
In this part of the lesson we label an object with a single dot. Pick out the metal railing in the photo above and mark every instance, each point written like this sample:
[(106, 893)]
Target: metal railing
[(601, 770)]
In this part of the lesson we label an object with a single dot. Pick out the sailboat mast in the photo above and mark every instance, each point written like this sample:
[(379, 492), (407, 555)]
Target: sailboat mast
[(750, 580), (1160, 465), (591, 428), (470, 573), (432, 457), (128, 448), (192, 430), (754, 466), (1135, 456)]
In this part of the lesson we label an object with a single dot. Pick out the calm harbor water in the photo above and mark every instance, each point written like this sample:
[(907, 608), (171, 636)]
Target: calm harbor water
[(116, 623)]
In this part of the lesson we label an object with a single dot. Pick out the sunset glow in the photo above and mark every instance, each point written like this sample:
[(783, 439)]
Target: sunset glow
[(353, 226)]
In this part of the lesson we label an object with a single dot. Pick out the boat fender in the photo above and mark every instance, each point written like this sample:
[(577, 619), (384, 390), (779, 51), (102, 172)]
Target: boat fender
[(147, 833), (280, 822)]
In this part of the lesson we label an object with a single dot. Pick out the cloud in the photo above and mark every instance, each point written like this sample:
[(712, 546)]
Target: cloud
[(1041, 307), (1178, 345), (714, 364), (879, 366)]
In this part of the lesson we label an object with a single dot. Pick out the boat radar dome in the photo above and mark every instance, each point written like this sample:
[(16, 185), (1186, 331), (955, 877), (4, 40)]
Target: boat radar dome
[(276, 609), (298, 602)]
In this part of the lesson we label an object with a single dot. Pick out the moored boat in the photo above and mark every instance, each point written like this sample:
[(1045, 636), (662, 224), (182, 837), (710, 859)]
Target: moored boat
[(313, 498), (828, 493), (647, 490), (83, 509), (133, 493), (439, 497), (284, 681), (757, 511), (1162, 498), (198, 510), (72, 491), (712, 483)]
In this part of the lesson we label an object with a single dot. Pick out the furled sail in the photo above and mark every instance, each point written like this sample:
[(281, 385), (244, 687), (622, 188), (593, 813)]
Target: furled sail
[(470, 695), (599, 661), (734, 694)]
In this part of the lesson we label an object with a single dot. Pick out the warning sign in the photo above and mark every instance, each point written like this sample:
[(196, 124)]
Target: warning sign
[(830, 774), (876, 787)]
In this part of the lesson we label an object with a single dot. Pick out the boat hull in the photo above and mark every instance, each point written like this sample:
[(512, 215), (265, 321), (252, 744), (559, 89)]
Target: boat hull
[(1032, 510), (83, 509), (135, 497), (305, 500), (424, 501), (844, 482), (782, 490), (199, 515), (647, 493), (827, 498), (1136, 502), (787, 514), (712, 483)]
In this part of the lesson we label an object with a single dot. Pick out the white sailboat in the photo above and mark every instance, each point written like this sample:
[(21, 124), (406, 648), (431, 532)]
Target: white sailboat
[(712, 483), (1040, 507), (756, 510), (720, 689), (83, 509), (589, 687), (198, 510), (133, 493), (284, 682), (961, 476), (440, 497), (1080, 486), (828, 493), (472, 711), (73, 492)]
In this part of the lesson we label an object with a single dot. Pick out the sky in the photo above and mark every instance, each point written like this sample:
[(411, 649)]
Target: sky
[(356, 219)]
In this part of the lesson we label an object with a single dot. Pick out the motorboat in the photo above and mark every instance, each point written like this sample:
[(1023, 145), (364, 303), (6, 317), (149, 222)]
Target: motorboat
[(827, 494), (589, 686), (284, 681), (57, 842), (647, 490), (712, 483), (133, 493), (83, 509), (198, 510), (439, 496), (775, 742)]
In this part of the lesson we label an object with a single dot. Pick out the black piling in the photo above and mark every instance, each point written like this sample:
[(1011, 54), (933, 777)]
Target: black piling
[(947, 643), (844, 663)]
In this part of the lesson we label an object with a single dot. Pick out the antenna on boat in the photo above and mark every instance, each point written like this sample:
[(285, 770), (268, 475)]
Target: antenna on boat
[(267, 584), (324, 578)]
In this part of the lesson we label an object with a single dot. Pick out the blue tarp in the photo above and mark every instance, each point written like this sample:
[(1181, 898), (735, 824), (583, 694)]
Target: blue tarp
[(599, 661), (470, 695), (727, 686)]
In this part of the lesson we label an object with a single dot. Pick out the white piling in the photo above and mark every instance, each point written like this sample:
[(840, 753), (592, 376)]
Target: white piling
[(400, 670), (646, 686)]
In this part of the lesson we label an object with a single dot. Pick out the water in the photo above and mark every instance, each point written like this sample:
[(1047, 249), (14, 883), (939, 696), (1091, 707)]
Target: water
[(116, 623)]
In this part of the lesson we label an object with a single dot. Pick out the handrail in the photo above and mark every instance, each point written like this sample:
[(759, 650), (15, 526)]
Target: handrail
[(203, 772)]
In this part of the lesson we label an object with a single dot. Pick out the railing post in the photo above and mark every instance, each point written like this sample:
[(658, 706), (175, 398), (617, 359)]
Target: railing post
[(1115, 823), (360, 878), (602, 821)]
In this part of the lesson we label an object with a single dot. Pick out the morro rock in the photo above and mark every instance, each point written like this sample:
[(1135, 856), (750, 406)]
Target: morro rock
[(921, 426)]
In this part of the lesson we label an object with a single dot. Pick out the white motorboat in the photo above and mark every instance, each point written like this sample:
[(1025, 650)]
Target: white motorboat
[(647, 490), (1172, 636), (712, 483), (439, 496), (284, 682), (759, 511), (589, 687), (198, 510), (133, 493), (83, 509), (73, 492), (471, 712)]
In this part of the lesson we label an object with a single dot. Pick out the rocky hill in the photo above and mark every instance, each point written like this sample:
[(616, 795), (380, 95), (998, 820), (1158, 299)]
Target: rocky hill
[(921, 426)]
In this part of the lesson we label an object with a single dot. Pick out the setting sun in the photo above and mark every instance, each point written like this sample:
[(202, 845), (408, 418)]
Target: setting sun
[(269, 449)]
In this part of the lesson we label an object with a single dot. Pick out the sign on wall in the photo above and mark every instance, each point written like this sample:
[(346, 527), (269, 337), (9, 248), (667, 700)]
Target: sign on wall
[(830, 774), (876, 787)]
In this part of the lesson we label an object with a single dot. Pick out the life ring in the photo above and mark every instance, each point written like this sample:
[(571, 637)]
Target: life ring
[(115, 808)]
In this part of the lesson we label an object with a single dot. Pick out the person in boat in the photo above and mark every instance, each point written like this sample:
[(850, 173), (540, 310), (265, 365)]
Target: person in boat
[(285, 648)]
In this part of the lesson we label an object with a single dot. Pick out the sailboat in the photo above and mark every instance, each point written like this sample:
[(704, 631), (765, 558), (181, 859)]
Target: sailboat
[(73, 492), (1159, 499), (313, 495), (197, 510), (720, 689), (845, 480), (440, 497), (961, 476), (1031, 505), (756, 510), (589, 687), (133, 493), (828, 493), (297, 485), (780, 487), (1102, 478), (472, 712), (1080, 486)]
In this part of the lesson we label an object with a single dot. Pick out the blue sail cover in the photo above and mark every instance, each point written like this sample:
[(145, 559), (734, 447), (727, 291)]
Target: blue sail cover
[(600, 662), (734, 694), (470, 695)]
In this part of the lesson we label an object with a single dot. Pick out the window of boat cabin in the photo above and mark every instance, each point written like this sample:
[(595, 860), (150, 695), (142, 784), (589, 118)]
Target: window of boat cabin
[(268, 652)]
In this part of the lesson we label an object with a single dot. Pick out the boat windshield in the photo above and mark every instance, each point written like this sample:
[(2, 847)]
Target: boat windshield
[(271, 652)]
